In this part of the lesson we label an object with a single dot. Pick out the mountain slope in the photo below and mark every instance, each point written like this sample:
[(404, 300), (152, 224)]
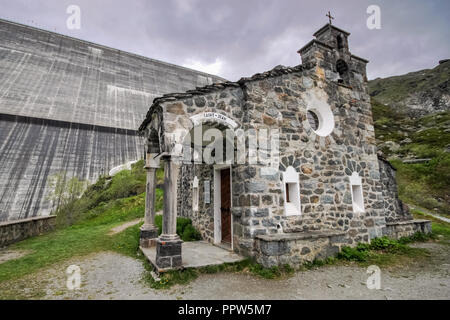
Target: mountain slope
[(416, 93), (412, 123)]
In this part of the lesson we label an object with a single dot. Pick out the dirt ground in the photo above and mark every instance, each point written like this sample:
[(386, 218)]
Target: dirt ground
[(108, 275)]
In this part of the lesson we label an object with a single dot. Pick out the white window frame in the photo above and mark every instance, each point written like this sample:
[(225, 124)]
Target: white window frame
[(357, 193), (319, 105), (290, 179)]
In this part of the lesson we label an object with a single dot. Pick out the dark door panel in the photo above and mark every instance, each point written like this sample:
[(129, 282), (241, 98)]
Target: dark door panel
[(225, 207)]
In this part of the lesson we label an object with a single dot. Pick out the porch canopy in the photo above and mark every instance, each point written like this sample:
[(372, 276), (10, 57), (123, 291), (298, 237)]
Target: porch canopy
[(169, 129)]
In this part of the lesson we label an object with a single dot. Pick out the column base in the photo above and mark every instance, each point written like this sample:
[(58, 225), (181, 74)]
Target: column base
[(148, 236), (168, 254)]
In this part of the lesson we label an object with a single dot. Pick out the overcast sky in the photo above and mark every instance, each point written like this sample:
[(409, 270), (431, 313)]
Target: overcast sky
[(236, 38)]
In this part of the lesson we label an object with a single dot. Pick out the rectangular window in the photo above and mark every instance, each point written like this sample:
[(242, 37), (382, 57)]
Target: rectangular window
[(358, 202), (357, 193), (292, 205)]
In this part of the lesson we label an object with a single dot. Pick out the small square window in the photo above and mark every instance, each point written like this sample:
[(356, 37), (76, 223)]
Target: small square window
[(291, 192), (358, 202), (357, 193)]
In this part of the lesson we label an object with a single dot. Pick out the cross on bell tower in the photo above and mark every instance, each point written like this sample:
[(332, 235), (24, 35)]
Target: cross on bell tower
[(330, 17)]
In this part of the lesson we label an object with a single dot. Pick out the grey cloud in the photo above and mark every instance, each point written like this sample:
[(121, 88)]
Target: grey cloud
[(250, 36)]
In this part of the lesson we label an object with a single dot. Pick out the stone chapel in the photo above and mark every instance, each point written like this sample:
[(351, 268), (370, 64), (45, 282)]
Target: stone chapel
[(330, 187)]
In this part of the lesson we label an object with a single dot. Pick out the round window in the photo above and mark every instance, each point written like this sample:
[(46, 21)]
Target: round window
[(313, 120), (319, 116)]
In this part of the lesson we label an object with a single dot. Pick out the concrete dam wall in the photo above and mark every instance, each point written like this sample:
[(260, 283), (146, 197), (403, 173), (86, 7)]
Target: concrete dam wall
[(73, 106)]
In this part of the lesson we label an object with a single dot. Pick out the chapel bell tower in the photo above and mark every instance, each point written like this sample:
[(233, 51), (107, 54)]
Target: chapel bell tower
[(329, 52)]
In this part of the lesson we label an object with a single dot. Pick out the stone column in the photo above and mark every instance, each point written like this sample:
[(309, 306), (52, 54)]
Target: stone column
[(168, 245), (149, 232)]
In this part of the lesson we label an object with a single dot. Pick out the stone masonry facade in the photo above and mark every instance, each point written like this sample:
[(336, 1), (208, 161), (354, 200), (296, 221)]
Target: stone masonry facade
[(394, 208), (330, 82), (15, 231)]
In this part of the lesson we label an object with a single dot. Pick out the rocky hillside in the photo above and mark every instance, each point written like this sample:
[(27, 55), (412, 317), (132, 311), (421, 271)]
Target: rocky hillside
[(412, 126), (416, 93)]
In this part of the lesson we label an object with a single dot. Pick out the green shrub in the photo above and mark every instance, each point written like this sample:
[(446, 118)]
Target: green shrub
[(384, 243), (73, 200), (417, 237), (354, 254), (190, 234), (185, 229), (363, 251), (267, 273), (363, 246), (181, 225)]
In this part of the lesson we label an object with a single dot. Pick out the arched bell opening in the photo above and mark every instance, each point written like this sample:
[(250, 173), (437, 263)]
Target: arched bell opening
[(343, 70)]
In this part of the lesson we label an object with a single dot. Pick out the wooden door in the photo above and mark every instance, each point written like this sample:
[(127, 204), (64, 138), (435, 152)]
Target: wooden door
[(225, 206)]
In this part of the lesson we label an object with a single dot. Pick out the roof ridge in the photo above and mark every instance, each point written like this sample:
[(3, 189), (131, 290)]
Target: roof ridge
[(276, 71)]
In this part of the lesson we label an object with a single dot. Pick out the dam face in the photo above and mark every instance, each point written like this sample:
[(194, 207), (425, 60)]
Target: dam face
[(73, 106)]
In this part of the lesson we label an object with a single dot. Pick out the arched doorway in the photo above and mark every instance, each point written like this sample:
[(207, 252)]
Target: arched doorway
[(209, 151)]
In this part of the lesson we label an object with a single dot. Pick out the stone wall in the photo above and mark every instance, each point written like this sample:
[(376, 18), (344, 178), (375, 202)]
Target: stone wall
[(203, 219), (295, 249), (394, 208), (324, 164), (15, 231), (397, 230)]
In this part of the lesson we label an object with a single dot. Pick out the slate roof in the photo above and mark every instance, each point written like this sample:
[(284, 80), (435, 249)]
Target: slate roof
[(275, 72)]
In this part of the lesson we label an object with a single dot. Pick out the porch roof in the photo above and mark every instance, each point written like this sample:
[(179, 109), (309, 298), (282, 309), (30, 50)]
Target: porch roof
[(277, 71)]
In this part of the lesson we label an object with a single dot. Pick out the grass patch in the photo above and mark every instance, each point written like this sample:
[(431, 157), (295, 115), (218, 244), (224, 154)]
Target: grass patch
[(182, 277), (103, 206), (424, 184), (87, 236), (319, 263), (125, 184), (440, 229), (385, 251)]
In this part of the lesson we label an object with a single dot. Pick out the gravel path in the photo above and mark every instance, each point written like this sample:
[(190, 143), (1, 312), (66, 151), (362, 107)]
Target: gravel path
[(6, 255), (108, 275), (124, 226), (428, 212), (128, 224)]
